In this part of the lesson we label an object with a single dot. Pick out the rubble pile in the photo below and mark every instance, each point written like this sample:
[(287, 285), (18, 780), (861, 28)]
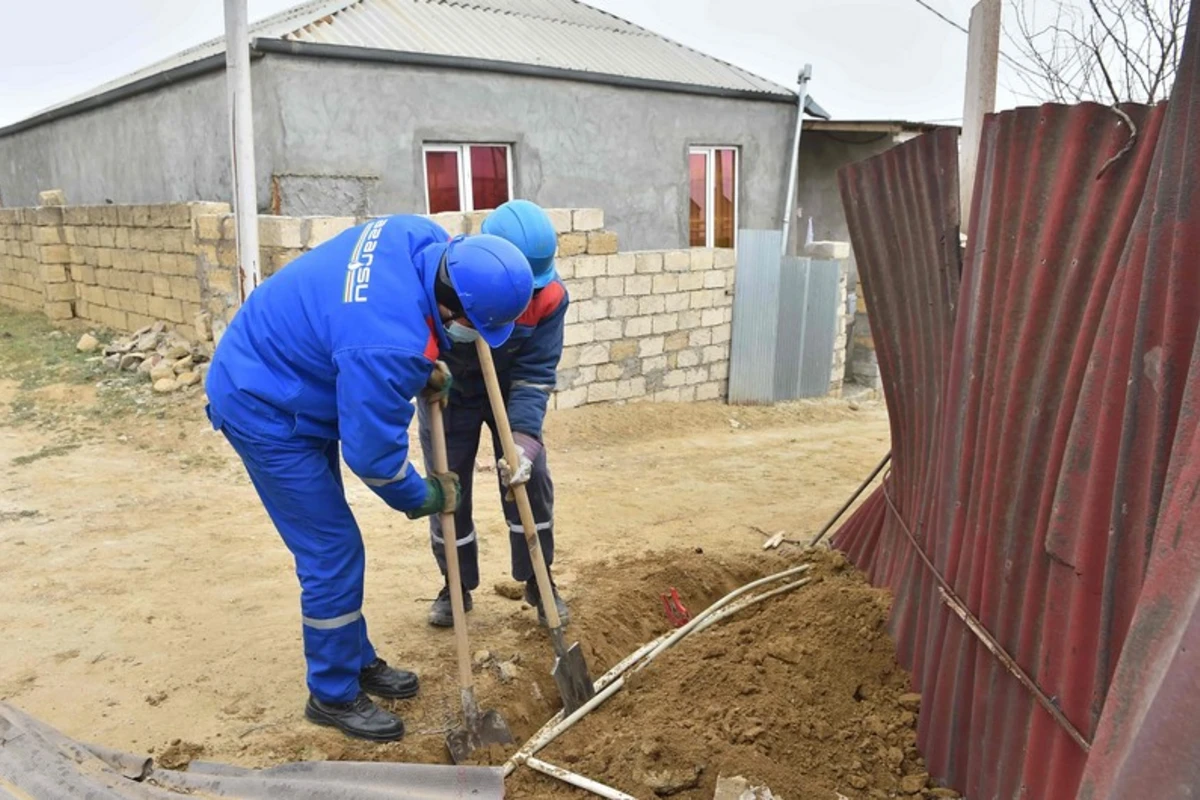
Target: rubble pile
[(167, 359)]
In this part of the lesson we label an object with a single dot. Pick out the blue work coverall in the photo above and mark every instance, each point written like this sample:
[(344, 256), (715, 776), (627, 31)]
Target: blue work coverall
[(527, 366), (333, 347)]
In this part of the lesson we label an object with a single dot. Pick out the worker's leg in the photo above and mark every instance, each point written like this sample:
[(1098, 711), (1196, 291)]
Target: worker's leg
[(540, 489), (333, 457), (300, 486), (462, 423)]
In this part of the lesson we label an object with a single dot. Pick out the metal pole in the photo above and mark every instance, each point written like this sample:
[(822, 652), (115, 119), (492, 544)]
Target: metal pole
[(241, 121), (802, 80)]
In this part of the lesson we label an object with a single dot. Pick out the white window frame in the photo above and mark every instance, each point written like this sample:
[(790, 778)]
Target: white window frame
[(710, 207), (465, 190)]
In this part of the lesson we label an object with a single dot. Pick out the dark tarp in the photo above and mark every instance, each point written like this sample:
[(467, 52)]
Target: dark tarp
[(36, 761)]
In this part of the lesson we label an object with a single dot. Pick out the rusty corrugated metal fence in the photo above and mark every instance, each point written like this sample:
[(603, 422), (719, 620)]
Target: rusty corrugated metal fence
[(1043, 417)]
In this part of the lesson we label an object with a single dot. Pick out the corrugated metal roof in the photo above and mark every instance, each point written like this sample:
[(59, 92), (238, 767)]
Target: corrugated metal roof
[(564, 34), (1045, 421)]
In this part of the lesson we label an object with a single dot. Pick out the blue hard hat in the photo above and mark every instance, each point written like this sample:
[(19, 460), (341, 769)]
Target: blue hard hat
[(527, 226), (493, 282)]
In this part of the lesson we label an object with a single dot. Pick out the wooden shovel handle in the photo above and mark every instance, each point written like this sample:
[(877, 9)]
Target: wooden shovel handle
[(504, 431), (441, 463)]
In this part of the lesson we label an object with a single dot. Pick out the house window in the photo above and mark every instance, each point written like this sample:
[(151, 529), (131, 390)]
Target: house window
[(467, 177), (712, 212)]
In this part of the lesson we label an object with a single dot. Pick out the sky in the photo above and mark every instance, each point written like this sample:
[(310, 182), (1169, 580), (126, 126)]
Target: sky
[(882, 59)]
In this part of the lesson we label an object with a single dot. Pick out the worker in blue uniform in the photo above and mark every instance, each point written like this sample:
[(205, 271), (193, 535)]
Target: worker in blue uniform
[(527, 366), (335, 347)]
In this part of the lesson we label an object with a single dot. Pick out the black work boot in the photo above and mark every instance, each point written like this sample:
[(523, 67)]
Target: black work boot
[(379, 679), (441, 615), (533, 598), (359, 718)]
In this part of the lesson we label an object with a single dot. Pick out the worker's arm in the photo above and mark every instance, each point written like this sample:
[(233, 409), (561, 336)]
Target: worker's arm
[(375, 387), (534, 369)]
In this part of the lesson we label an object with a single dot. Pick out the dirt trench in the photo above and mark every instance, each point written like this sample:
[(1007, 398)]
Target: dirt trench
[(801, 694)]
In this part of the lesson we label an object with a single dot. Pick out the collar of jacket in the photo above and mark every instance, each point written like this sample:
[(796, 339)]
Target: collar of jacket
[(427, 262)]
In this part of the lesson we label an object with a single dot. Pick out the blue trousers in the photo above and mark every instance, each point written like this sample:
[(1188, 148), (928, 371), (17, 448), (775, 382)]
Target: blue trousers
[(464, 422), (300, 483)]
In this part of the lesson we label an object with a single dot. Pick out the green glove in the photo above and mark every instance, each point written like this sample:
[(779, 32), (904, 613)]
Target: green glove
[(442, 493), (437, 388)]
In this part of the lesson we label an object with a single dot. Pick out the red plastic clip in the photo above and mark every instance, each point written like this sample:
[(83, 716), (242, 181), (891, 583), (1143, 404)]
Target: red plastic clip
[(676, 611)]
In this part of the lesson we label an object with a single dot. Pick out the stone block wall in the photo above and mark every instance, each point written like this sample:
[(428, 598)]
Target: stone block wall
[(121, 267), (649, 325), (20, 261), (864, 364)]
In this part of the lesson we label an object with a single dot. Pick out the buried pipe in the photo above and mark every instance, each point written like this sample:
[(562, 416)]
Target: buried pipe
[(544, 737), (577, 780), (548, 733), (613, 680), (671, 640), (729, 611)]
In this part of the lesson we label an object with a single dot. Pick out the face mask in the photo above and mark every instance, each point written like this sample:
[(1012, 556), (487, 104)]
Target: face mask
[(462, 334)]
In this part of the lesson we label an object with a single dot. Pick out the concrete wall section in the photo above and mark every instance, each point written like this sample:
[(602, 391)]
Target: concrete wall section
[(169, 145), (341, 137), (822, 154), (574, 144)]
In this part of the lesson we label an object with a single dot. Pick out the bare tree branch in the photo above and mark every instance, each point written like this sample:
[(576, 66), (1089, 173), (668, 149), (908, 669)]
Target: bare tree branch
[(1112, 51)]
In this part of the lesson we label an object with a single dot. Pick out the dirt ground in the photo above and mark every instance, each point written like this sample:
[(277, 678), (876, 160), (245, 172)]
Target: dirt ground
[(149, 605), (801, 693)]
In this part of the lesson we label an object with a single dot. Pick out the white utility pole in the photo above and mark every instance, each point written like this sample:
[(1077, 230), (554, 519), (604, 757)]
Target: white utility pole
[(801, 101), (241, 136), (983, 60)]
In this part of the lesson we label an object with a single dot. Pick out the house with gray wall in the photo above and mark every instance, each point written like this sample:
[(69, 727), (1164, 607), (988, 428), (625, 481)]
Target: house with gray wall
[(423, 106)]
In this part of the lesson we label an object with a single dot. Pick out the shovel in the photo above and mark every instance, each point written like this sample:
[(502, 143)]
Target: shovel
[(478, 729), (570, 671)]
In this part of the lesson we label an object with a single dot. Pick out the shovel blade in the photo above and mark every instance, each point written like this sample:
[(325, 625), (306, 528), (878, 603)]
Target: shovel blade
[(489, 729), (461, 743), (574, 683), (494, 730)]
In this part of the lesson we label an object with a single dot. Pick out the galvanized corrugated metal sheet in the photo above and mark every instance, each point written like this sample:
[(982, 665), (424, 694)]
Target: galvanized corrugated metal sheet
[(820, 329), (1042, 454), (755, 317), (553, 33), (794, 274)]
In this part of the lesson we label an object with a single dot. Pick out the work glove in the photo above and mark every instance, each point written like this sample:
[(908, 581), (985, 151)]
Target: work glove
[(442, 493), (437, 388), (528, 449)]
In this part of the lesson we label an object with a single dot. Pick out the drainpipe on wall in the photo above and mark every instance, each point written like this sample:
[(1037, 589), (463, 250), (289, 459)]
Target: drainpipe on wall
[(241, 135), (802, 98)]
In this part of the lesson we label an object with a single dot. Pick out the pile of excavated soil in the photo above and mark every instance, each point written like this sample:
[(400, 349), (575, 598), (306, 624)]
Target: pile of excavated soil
[(801, 694), (615, 608)]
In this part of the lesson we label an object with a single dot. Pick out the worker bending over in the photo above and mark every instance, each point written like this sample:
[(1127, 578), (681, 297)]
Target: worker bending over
[(527, 366), (335, 347)]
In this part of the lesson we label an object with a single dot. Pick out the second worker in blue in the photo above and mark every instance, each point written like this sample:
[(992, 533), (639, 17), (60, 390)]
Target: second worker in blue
[(527, 366)]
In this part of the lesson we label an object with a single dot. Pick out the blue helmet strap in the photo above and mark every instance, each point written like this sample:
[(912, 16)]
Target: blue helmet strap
[(443, 290)]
